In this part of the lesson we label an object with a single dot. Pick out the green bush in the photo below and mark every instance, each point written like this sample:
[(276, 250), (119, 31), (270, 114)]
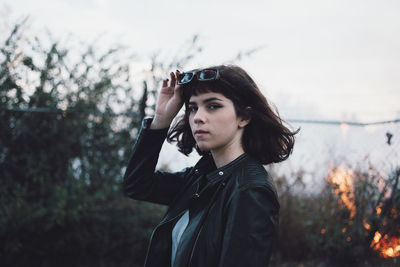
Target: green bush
[(63, 153)]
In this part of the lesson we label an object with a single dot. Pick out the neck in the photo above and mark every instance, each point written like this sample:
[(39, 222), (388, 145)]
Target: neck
[(226, 155)]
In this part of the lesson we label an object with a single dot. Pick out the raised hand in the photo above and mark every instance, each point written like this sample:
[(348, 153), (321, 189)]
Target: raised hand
[(168, 104)]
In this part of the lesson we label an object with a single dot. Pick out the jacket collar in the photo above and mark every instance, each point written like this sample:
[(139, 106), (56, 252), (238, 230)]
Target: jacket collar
[(206, 166)]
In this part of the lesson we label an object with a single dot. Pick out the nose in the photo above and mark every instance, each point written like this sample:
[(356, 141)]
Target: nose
[(199, 116)]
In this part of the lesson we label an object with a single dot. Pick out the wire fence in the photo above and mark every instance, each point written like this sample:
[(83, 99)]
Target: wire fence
[(320, 145)]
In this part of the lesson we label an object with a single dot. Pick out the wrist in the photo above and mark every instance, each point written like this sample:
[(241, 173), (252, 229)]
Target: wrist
[(160, 123)]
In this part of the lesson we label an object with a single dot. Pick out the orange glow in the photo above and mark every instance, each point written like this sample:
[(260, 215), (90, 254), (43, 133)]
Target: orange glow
[(366, 225), (323, 231), (344, 127), (377, 237), (342, 184), (388, 247), (379, 208), (342, 180)]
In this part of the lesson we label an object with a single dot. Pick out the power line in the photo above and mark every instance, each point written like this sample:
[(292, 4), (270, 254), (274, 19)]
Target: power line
[(114, 114), (344, 122), (67, 111)]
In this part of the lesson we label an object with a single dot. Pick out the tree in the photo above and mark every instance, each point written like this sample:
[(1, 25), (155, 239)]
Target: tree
[(68, 117)]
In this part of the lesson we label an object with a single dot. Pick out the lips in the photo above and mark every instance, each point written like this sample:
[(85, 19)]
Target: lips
[(200, 133)]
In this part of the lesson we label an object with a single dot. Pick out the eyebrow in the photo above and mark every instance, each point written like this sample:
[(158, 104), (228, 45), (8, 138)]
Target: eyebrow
[(206, 100)]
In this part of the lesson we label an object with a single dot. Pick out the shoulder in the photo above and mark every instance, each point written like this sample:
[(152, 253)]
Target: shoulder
[(252, 173), (251, 184), (251, 176)]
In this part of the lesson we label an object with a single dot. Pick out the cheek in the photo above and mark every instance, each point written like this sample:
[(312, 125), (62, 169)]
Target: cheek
[(227, 121)]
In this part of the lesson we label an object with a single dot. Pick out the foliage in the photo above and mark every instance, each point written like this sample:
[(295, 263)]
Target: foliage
[(321, 227), (63, 153)]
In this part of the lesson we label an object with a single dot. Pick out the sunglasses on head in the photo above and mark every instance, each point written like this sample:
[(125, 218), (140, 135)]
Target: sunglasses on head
[(201, 75)]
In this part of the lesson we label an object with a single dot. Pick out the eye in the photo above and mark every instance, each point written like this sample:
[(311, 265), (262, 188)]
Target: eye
[(214, 106), (191, 109)]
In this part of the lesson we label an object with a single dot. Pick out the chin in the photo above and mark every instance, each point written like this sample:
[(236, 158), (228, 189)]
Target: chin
[(204, 147)]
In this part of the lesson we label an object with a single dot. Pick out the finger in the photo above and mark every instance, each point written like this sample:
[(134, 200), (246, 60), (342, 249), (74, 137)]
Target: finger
[(177, 73), (173, 79), (177, 90), (165, 83), (178, 86)]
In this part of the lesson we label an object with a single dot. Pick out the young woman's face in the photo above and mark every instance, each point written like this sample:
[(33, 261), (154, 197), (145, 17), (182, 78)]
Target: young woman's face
[(213, 122)]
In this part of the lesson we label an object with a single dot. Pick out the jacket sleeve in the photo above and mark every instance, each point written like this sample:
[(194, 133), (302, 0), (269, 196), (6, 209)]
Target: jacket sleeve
[(251, 227), (141, 181)]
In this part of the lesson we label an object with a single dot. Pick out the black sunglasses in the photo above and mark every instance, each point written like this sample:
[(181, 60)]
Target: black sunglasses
[(201, 75)]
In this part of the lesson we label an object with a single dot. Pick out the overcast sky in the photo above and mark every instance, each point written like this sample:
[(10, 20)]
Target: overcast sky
[(320, 59)]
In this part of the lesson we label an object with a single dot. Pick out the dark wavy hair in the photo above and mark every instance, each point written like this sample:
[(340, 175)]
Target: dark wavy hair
[(265, 137)]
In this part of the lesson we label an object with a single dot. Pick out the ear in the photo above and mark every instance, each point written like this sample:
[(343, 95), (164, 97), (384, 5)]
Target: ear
[(243, 123), (244, 120)]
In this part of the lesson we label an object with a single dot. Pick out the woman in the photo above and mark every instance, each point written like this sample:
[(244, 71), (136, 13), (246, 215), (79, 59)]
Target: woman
[(224, 210)]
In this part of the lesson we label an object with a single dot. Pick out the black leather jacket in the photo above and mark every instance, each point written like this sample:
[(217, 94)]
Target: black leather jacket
[(233, 217)]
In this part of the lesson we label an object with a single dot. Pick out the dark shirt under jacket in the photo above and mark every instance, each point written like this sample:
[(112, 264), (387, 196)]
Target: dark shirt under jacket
[(233, 218)]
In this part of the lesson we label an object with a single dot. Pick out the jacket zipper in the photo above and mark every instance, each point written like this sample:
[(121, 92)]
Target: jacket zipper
[(201, 227), (194, 245), (155, 229)]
